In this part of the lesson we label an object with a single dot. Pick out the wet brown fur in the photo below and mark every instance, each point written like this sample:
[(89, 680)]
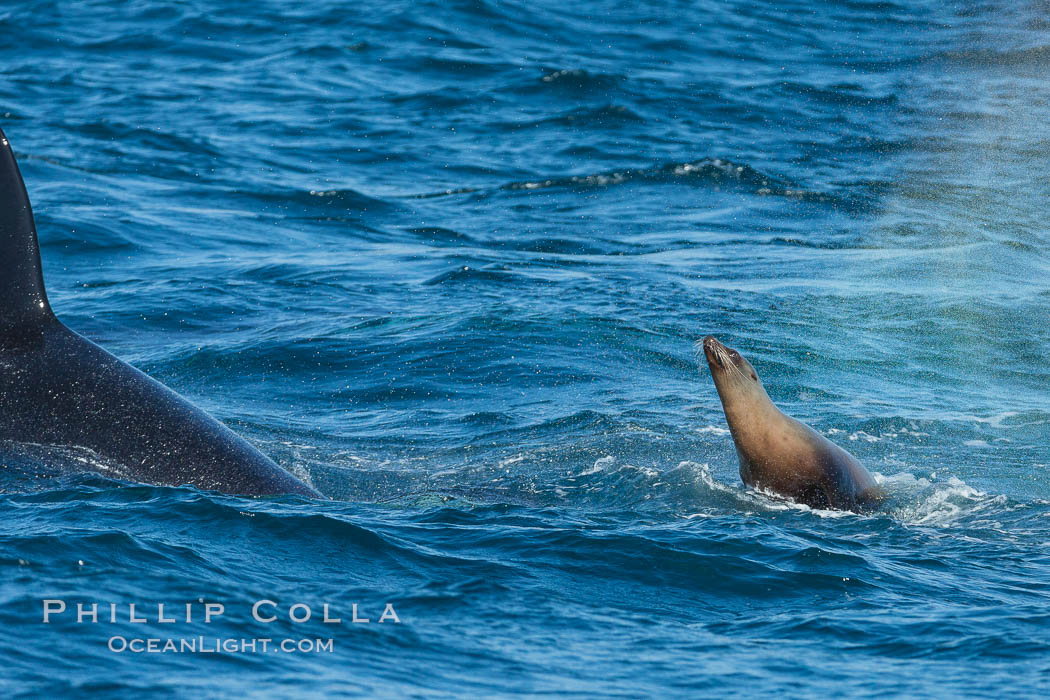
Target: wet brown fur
[(776, 451)]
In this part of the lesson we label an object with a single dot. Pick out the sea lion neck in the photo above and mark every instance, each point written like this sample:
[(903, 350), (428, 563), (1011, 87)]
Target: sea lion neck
[(747, 408)]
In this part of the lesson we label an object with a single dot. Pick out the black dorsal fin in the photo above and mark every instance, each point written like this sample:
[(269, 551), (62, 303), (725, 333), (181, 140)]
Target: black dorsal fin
[(23, 300)]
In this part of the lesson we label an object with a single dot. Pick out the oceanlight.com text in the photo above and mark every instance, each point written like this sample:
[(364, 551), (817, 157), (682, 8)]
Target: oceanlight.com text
[(218, 645)]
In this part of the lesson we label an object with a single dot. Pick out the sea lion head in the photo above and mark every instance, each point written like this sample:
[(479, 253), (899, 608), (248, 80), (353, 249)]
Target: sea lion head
[(741, 391), (732, 373)]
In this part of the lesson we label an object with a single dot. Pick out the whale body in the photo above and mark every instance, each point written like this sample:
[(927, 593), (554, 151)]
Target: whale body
[(60, 389)]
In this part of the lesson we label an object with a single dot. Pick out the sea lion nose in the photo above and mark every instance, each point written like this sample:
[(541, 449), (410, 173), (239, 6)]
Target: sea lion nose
[(711, 350)]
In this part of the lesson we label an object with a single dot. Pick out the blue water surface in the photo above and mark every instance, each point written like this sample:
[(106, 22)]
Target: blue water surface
[(447, 261)]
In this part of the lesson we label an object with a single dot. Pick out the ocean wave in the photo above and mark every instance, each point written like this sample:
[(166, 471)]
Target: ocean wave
[(998, 57), (707, 172), (578, 81), (609, 116)]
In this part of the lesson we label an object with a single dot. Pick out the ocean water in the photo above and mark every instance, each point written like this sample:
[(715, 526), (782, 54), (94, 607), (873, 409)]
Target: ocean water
[(448, 262)]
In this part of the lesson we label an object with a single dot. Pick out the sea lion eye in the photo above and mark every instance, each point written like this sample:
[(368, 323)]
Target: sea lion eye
[(754, 376), (734, 354)]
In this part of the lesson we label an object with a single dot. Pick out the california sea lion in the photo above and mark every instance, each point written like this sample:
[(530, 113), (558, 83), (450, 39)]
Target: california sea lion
[(776, 451)]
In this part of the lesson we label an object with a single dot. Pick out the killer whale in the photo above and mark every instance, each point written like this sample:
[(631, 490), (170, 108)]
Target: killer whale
[(58, 388)]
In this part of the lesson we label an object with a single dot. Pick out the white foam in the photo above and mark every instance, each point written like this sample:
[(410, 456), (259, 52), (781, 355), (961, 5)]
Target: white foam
[(940, 503), (703, 475), (600, 465), (504, 463)]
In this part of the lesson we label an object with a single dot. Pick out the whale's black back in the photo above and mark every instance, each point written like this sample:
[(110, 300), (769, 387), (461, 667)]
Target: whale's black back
[(57, 388)]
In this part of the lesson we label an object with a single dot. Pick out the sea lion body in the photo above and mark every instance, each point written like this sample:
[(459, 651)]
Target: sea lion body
[(779, 453)]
